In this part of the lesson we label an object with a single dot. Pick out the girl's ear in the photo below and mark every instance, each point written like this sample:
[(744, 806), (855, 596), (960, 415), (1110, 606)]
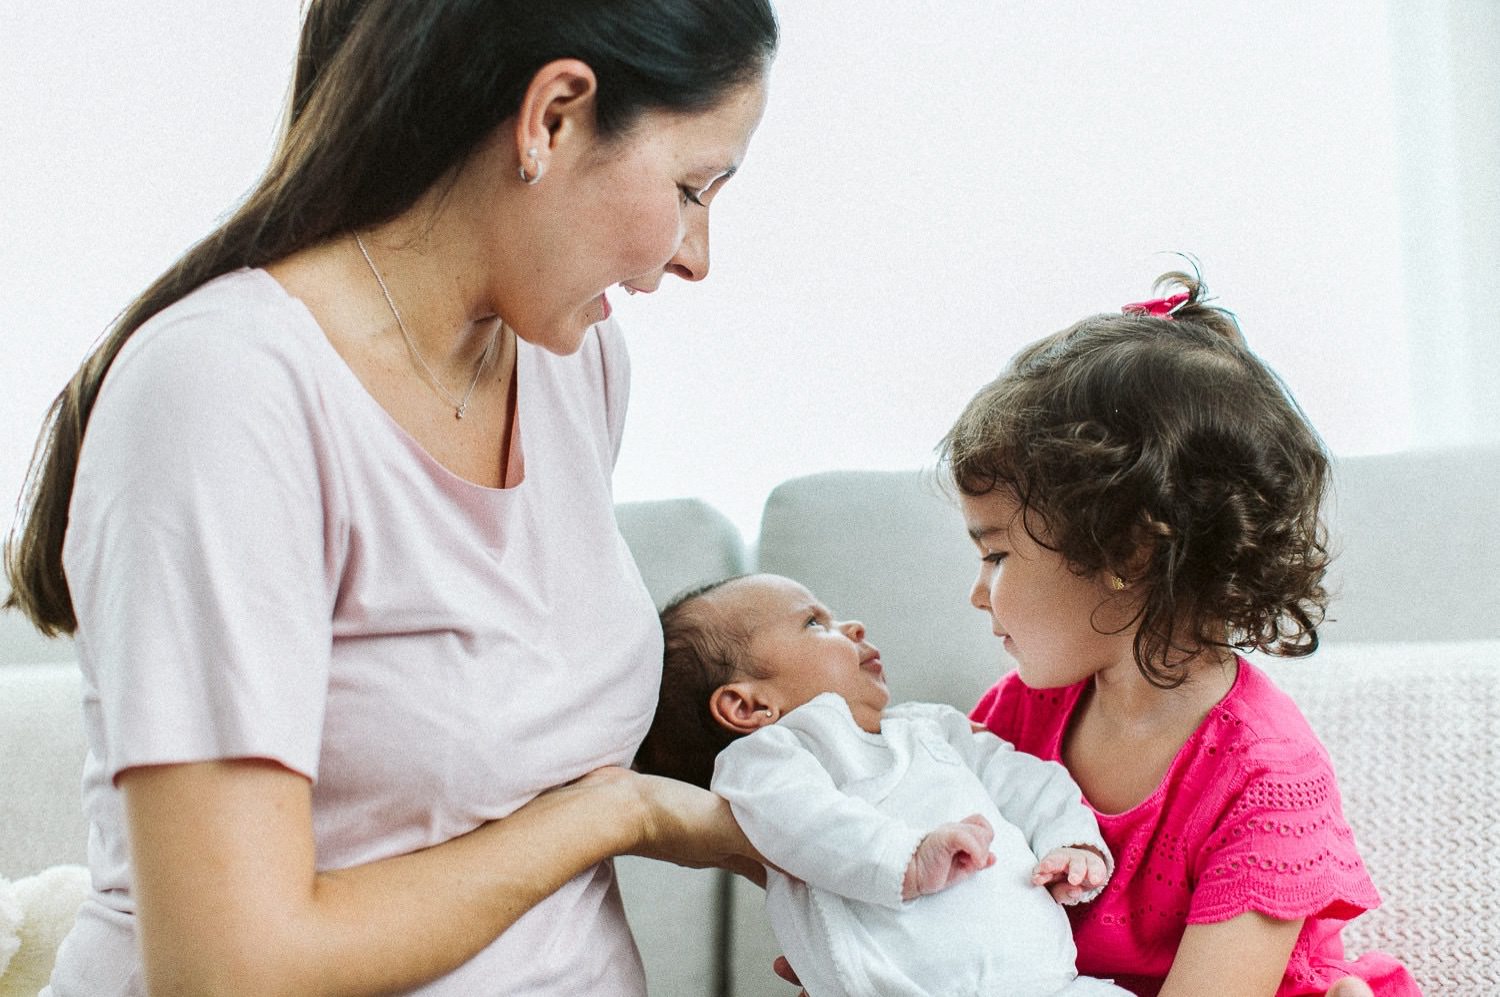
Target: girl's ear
[(740, 708), (1149, 534)]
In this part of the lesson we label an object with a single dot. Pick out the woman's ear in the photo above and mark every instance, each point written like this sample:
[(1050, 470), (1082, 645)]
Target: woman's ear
[(557, 105), (740, 708)]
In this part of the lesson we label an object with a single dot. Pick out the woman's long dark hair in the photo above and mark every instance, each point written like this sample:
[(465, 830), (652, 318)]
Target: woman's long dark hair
[(389, 97)]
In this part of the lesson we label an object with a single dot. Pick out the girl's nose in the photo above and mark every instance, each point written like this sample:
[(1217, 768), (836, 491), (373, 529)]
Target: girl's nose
[(979, 595)]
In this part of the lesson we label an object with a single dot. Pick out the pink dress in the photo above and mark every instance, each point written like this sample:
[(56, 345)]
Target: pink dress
[(1247, 818)]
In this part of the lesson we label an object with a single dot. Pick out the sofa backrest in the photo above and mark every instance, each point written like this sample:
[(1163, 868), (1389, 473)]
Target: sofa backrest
[(888, 548), (680, 543), (1416, 546), (1415, 559)]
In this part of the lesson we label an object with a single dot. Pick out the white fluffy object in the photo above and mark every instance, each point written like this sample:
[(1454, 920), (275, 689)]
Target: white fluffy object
[(35, 914)]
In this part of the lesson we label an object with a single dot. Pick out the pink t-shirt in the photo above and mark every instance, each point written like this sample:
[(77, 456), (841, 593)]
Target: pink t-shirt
[(1247, 818), (264, 564)]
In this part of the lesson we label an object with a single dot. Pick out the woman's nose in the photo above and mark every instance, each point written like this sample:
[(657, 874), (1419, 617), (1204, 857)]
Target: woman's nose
[(691, 259)]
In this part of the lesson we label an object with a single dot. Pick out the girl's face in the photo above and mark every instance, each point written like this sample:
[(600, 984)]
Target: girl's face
[(1061, 627), (625, 212)]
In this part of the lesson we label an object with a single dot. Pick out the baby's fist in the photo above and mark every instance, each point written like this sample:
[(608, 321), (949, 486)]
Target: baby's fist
[(949, 853), (1070, 873)]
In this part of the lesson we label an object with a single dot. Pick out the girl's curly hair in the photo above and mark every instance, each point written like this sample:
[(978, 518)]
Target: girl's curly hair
[(1161, 450)]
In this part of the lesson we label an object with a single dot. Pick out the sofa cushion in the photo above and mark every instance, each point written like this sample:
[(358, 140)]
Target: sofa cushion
[(677, 914), (1414, 733), (41, 768)]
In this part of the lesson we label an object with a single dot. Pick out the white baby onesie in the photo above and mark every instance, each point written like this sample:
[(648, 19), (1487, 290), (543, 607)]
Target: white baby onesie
[(839, 812)]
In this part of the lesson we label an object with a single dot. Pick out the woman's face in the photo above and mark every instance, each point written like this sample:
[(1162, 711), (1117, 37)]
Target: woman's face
[(623, 212)]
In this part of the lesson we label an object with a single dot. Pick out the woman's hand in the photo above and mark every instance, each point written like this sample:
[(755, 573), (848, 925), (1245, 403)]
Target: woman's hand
[(784, 970), (680, 823)]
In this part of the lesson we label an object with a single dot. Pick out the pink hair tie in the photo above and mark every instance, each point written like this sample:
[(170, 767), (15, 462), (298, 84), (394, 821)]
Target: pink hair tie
[(1156, 307)]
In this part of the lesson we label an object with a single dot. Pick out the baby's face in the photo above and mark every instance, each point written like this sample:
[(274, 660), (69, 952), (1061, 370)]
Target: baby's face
[(804, 652)]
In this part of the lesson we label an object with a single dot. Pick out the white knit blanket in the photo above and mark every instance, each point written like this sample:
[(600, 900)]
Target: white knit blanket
[(1414, 731)]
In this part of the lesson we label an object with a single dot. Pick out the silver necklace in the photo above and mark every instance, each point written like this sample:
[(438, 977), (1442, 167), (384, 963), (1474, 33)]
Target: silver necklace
[(460, 405)]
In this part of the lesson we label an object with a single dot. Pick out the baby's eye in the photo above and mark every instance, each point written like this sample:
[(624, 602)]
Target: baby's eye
[(813, 621)]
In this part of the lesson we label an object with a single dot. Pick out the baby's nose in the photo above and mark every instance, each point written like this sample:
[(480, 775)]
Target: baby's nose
[(854, 630)]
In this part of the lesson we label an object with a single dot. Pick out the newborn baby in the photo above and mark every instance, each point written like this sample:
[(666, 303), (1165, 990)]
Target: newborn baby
[(907, 854)]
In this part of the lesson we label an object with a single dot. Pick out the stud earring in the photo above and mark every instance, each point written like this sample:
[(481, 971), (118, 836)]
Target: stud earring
[(1117, 583), (536, 175), (769, 713)]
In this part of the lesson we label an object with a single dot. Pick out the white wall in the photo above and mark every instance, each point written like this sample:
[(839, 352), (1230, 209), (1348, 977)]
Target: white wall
[(934, 185)]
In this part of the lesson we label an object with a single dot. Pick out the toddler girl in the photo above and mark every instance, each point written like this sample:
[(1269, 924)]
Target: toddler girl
[(1144, 495)]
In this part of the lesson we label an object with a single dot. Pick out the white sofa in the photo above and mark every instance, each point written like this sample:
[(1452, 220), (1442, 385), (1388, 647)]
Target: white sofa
[(1405, 693)]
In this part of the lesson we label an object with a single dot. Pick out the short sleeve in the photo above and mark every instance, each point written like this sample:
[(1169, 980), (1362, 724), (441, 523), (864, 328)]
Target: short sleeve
[(195, 550), (1281, 845), (616, 361)]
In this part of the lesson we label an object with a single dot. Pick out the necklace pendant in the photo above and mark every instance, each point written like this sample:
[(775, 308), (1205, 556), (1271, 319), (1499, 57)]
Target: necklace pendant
[(458, 413)]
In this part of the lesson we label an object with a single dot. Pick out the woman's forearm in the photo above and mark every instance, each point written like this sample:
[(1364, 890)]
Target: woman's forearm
[(229, 901)]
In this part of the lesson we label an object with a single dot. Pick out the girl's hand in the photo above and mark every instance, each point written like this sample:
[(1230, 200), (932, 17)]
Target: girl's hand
[(685, 825), (1351, 986), (949, 854), (1069, 873)]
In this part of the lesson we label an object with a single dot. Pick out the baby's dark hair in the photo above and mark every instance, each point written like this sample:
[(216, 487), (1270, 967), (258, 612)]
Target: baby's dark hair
[(703, 649), (1159, 449)]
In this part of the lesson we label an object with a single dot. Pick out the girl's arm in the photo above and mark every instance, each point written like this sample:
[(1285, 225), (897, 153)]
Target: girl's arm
[(1245, 956), (229, 901)]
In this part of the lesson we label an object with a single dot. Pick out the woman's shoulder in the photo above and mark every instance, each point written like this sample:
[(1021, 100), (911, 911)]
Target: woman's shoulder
[(225, 324), (233, 364)]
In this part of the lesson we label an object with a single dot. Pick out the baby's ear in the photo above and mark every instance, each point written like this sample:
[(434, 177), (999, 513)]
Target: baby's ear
[(740, 709)]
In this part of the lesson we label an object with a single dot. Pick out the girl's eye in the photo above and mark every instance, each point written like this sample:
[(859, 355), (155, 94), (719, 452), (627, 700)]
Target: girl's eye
[(994, 557)]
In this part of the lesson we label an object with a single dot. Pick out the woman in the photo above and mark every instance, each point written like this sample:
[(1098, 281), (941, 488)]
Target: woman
[(329, 513)]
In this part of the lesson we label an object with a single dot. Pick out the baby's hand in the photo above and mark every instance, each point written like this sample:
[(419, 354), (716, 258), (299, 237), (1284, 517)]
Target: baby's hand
[(949, 853), (1070, 873)]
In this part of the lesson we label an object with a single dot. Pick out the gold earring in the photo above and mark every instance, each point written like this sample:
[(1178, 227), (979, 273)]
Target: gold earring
[(1117, 583)]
